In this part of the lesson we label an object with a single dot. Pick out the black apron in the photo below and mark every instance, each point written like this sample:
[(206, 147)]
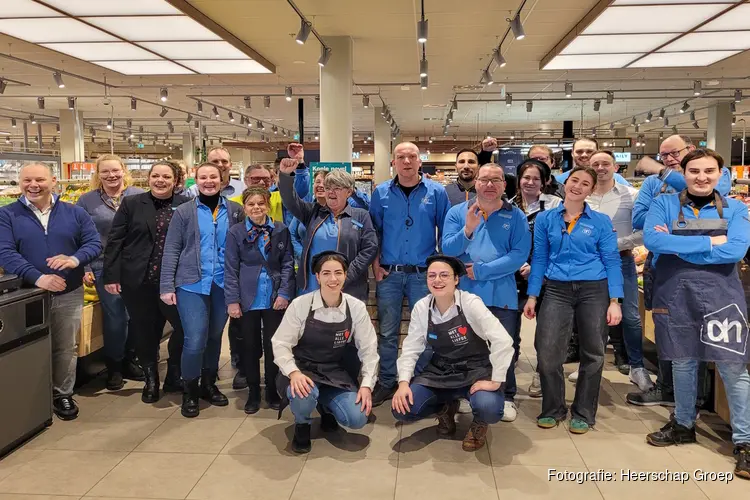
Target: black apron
[(320, 355), (459, 356), (699, 311)]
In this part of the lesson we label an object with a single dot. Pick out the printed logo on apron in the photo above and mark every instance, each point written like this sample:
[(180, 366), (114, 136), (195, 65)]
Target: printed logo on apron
[(340, 338), (458, 335), (725, 329)]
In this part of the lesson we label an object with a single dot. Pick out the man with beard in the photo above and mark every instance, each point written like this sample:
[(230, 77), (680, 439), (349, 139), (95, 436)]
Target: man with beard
[(467, 166), (583, 149)]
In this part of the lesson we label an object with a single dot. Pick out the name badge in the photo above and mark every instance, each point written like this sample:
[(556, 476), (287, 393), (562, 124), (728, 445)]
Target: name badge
[(432, 336)]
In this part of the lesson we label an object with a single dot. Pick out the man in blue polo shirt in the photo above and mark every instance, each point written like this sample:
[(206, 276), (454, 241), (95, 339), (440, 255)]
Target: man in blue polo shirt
[(408, 213), (492, 237)]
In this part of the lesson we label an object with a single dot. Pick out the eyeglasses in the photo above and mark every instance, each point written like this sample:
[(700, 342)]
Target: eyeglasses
[(444, 276), (335, 189), (493, 180), (543, 159), (674, 154), (580, 152), (260, 180)]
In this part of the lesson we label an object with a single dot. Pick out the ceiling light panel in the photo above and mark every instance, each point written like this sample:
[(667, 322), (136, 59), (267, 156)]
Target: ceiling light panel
[(156, 28), (107, 51), (145, 67), (651, 18), (26, 8), (682, 59), (736, 19), (53, 29), (217, 67), (591, 61), (113, 8), (605, 44), (737, 40), (195, 50)]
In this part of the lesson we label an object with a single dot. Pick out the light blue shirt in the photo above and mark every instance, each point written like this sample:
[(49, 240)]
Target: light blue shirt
[(265, 283), (325, 239), (498, 248), (213, 235)]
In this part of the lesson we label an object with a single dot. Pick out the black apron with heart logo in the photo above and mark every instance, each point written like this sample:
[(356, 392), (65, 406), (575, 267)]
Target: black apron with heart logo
[(459, 356), (699, 311), (319, 354)]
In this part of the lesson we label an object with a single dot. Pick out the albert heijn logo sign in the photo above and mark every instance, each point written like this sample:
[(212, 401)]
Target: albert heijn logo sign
[(726, 329)]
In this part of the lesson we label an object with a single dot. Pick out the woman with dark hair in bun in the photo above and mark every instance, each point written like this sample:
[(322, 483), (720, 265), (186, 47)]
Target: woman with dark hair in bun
[(132, 268), (309, 348), (457, 326)]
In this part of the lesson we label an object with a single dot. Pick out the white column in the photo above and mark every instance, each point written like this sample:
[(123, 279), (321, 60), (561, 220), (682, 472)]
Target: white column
[(336, 102), (720, 130), (71, 136), (382, 168), (188, 150)]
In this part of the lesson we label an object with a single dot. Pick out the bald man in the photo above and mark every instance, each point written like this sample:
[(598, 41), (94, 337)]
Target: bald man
[(408, 213), (47, 242)]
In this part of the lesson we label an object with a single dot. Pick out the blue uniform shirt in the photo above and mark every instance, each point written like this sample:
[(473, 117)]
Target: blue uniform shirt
[(588, 253), (212, 246), (561, 178), (697, 249), (498, 248), (424, 212), (326, 238), (265, 283), (670, 182)]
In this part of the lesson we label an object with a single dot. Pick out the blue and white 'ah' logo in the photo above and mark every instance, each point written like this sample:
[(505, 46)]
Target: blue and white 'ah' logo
[(726, 329)]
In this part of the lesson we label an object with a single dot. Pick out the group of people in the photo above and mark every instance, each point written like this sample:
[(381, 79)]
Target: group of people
[(470, 261)]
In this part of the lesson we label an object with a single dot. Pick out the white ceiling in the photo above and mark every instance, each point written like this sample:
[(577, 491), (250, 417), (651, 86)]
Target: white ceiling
[(386, 59)]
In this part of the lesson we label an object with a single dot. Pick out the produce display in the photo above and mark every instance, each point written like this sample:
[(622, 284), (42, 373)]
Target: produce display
[(89, 294)]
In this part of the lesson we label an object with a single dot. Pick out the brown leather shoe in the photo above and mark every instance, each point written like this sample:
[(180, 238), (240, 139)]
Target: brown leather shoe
[(475, 437), (447, 419)]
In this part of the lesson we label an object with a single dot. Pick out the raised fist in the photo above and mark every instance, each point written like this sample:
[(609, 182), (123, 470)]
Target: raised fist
[(489, 144), (288, 165), (296, 151)]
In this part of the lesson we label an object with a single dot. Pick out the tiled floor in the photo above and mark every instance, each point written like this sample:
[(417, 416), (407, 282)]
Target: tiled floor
[(121, 448)]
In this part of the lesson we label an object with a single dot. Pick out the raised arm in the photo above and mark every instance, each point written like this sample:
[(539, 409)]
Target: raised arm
[(298, 207), (455, 242), (286, 289)]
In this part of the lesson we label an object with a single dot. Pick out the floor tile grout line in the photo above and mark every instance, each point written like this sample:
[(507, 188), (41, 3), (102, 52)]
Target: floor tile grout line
[(299, 475), (127, 454)]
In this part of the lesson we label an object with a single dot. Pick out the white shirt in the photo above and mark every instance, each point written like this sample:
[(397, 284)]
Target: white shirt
[(481, 320), (549, 200), (42, 215), (618, 205), (293, 326)]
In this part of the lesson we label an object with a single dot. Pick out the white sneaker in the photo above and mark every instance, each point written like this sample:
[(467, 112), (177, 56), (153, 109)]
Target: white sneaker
[(535, 389), (464, 406), (510, 412), (641, 378), (573, 377)]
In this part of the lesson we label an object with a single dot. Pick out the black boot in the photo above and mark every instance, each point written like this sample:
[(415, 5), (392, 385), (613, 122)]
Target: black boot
[(172, 381), (272, 398), (328, 422), (209, 391), (240, 380), (151, 384), (114, 375), (253, 400), (621, 360), (131, 370), (742, 469), (672, 433), (190, 393), (301, 441)]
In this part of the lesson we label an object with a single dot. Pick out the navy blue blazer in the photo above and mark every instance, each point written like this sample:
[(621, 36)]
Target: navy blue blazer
[(243, 262)]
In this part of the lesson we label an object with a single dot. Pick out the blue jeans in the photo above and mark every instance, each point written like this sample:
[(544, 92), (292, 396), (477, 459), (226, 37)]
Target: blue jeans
[(203, 318), (509, 318), (115, 321), (736, 382), (486, 406), (632, 330), (390, 296), (340, 402)]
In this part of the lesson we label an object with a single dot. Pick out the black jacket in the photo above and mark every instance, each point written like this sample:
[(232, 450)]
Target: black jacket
[(131, 239)]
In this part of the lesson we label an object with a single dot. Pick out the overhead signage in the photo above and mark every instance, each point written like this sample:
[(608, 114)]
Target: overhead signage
[(140, 145), (355, 155), (316, 166), (702, 144), (424, 156), (296, 137), (623, 157)]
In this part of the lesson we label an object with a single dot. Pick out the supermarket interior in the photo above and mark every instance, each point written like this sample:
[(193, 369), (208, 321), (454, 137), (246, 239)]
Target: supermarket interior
[(156, 80)]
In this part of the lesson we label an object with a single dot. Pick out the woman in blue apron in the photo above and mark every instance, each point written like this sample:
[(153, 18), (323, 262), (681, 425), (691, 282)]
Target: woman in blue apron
[(699, 306), (309, 348), (457, 326)]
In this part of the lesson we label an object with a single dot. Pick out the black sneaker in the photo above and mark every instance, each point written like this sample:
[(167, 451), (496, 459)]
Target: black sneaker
[(273, 399), (115, 380), (252, 406), (382, 394), (742, 469), (672, 433), (301, 441), (621, 362), (240, 381), (131, 370), (652, 397), (65, 407)]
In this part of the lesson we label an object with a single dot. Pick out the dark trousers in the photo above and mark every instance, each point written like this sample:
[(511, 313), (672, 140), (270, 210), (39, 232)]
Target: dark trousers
[(665, 382), (509, 319), (587, 302), (148, 315), (236, 342), (256, 341)]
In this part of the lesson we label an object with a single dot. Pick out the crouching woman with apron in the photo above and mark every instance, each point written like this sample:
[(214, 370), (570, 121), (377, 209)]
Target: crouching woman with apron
[(699, 306), (309, 348), (457, 326)]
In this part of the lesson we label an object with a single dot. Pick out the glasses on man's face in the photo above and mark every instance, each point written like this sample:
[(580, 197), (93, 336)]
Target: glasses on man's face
[(543, 159), (444, 276), (674, 154), (260, 180), (486, 181), (581, 152)]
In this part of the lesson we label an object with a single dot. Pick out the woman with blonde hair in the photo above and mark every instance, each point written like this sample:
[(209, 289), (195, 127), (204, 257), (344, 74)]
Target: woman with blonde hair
[(110, 183)]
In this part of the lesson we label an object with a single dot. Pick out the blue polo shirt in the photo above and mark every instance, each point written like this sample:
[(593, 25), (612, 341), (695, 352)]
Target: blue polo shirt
[(669, 182), (697, 249), (408, 228), (588, 253), (212, 245), (498, 248)]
